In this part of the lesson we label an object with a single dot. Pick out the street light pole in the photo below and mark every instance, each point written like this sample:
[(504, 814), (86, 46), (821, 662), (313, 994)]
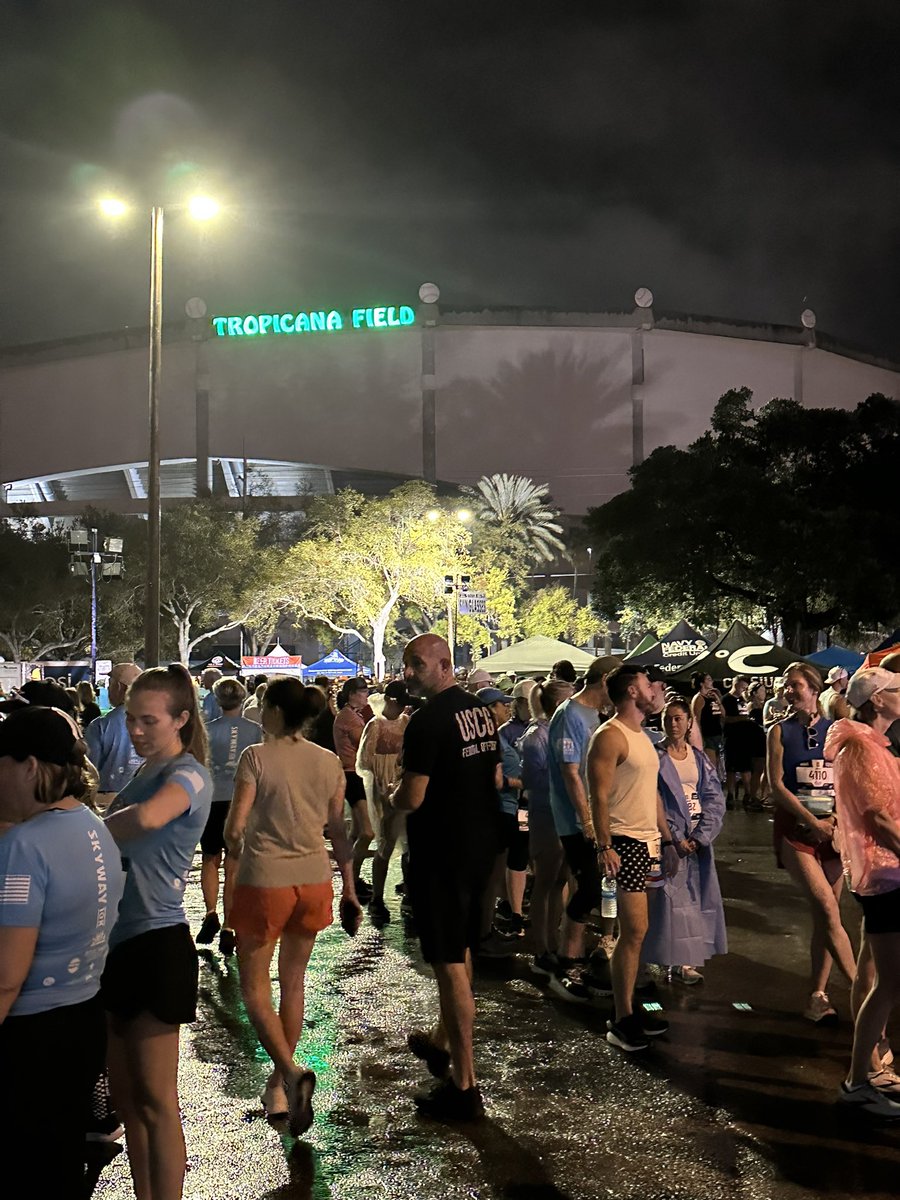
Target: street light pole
[(95, 561), (151, 610)]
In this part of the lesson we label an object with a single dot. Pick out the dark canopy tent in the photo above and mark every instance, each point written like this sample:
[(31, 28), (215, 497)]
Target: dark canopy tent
[(648, 640), (334, 665), (740, 651), (674, 650)]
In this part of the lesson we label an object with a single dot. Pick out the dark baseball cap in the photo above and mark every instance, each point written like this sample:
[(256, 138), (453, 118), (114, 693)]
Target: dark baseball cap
[(396, 690), (490, 695), (46, 734)]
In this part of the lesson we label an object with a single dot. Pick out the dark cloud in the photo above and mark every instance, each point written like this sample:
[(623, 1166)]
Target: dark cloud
[(741, 159)]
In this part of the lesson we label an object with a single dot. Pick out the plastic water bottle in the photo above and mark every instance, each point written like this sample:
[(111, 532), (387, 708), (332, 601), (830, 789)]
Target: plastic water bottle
[(608, 907)]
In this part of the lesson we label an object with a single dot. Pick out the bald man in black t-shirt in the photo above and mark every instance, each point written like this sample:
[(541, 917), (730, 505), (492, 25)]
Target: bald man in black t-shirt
[(451, 776)]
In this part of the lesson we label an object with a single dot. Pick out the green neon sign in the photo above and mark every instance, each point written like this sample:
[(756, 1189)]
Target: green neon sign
[(317, 321)]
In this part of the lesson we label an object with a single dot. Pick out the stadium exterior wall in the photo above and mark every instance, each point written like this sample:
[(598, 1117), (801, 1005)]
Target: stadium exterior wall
[(549, 395)]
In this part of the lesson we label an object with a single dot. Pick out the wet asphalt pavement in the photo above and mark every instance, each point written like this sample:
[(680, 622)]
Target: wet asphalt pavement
[(734, 1103)]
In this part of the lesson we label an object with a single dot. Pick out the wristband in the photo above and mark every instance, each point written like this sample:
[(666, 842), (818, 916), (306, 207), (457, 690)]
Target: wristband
[(603, 849), (664, 844)]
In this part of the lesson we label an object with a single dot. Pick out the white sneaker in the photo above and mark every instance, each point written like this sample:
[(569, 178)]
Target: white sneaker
[(870, 1101), (687, 975), (820, 1009)]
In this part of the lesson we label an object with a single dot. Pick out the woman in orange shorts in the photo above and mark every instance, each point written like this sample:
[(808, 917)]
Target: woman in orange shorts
[(285, 791)]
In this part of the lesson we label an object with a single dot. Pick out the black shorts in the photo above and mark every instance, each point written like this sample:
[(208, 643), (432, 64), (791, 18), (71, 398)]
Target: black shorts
[(356, 789), (581, 857), (212, 839), (881, 913), (155, 972), (68, 1046), (634, 863), (447, 901), (515, 841)]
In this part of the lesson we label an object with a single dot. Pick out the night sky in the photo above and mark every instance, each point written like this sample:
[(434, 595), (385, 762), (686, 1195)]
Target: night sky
[(740, 159)]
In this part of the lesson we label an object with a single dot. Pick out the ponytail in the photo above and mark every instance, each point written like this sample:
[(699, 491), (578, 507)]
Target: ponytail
[(176, 684)]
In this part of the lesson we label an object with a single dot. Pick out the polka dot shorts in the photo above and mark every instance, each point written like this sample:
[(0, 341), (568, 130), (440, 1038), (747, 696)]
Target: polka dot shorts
[(634, 864)]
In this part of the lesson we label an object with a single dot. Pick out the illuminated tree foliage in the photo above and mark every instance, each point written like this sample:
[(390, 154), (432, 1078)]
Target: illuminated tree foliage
[(553, 612)]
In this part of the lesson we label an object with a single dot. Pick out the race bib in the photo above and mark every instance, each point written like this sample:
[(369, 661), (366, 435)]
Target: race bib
[(654, 872), (693, 804), (816, 776)]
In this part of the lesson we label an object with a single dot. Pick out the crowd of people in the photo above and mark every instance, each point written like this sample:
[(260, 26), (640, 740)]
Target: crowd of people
[(577, 817)]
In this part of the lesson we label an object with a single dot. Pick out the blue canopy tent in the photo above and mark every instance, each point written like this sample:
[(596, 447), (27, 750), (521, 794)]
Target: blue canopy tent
[(334, 665), (836, 656)]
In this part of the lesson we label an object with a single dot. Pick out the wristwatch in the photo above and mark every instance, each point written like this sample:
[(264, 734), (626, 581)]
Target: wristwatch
[(603, 849)]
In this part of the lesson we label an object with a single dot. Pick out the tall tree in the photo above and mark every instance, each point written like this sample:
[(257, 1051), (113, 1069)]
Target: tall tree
[(515, 522), (42, 608), (213, 571), (364, 557), (553, 612), (761, 511)]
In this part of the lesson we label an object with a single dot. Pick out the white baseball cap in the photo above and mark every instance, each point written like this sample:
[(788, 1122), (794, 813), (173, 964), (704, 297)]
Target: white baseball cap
[(837, 673), (866, 683)]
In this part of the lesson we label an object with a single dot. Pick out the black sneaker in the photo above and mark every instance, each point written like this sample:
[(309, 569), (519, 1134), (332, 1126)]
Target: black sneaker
[(569, 985), (378, 913), (363, 891), (227, 942), (446, 1102), (435, 1057), (650, 1023), (517, 925), (208, 930), (497, 944), (544, 964), (504, 910), (597, 981), (627, 1034)]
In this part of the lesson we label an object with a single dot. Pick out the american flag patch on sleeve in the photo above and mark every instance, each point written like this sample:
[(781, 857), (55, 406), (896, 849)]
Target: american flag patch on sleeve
[(15, 889)]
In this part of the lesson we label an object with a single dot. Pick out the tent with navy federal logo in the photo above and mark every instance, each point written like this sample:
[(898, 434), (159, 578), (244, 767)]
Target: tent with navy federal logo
[(334, 666), (674, 650), (740, 651)]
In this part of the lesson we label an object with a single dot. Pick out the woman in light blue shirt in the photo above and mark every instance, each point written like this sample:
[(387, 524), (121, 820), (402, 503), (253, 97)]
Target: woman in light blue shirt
[(60, 884), (150, 982)]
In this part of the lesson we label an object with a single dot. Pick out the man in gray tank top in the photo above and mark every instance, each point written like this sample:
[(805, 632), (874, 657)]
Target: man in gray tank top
[(622, 769)]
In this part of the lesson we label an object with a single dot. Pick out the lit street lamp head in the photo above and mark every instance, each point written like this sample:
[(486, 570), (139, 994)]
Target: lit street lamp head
[(203, 208), (112, 206)]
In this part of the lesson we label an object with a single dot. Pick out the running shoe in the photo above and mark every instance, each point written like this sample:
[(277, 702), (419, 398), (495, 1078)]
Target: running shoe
[(651, 1025), (363, 891), (435, 1057), (446, 1102), (504, 910), (887, 1082), (208, 930), (227, 942), (869, 1100), (299, 1095), (378, 913), (597, 979), (820, 1010), (689, 976), (275, 1103), (517, 925), (627, 1034), (497, 944), (568, 984), (544, 965)]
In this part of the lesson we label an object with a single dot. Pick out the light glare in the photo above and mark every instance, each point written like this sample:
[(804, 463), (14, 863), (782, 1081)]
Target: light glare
[(432, 514), (112, 206), (463, 514), (203, 208)]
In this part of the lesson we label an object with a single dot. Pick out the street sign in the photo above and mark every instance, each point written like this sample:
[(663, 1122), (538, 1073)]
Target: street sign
[(104, 666), (472, 604)]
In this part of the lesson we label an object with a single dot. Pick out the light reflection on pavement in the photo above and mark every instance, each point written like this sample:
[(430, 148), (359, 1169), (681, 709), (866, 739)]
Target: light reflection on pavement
[(733, 1104)]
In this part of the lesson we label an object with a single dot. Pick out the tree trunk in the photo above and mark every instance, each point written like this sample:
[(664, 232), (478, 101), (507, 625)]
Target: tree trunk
[(379, 626)]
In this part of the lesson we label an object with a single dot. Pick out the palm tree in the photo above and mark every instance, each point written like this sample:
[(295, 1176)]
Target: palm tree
[(521, 514)]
